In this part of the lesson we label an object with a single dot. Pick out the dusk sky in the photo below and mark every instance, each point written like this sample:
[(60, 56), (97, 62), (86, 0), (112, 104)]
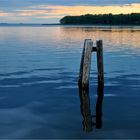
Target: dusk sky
[(51, 11)]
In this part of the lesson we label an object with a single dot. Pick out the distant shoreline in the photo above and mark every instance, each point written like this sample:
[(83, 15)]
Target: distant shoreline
[(72, 25), (27, 24)]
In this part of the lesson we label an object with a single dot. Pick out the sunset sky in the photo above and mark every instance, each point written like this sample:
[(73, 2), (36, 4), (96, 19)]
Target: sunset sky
[(51, 11)]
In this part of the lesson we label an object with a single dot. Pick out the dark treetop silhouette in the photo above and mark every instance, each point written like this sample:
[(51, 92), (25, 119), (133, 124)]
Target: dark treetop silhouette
[(103, 19)]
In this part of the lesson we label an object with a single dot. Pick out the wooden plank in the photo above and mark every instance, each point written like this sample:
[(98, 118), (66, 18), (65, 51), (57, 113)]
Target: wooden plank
[(81, 65), (85, 64), (84, 84), (100, 61)]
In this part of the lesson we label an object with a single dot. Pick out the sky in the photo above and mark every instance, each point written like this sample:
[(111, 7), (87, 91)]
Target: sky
[(51, 11)]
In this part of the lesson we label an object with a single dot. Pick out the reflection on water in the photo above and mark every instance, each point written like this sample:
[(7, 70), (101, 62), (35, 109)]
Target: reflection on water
[(86, 109), (113, 36), (99, 104), (39, 69)]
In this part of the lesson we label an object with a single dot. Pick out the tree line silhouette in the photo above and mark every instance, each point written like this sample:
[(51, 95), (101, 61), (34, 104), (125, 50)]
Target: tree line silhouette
[(102, 19)]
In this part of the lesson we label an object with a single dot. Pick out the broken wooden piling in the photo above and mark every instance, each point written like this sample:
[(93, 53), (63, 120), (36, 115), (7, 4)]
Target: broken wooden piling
[(84, 76), (100, 61), (86, 62)]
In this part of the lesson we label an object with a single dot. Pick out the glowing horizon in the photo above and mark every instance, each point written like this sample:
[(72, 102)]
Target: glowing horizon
[(53, 13)]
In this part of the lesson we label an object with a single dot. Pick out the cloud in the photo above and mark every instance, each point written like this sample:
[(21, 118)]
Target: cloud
[(39, 10), (43, 10), (79, 10), (23, 3), (4, 14)]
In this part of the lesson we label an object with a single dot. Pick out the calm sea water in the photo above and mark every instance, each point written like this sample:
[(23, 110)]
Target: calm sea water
[(39, 69)]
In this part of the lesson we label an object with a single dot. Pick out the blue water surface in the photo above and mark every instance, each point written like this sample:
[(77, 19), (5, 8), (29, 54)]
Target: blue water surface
[(39, 69)]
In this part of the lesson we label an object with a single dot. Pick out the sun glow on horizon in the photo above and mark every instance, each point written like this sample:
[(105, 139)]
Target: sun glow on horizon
[(80, 10), (45, 13)]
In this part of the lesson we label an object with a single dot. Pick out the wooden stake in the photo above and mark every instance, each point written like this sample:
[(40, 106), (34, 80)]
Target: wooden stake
[(85, 64), (84, 83), (100, 61)]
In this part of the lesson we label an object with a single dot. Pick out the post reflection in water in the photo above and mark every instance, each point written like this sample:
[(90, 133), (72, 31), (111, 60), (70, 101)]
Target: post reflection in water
[(99, 103), (86, 110)]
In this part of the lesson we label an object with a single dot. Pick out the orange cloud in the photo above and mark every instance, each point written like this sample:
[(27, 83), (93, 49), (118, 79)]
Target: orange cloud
[(32, 12), (4, 14), (50, 16), (79, 10), (60, 11)]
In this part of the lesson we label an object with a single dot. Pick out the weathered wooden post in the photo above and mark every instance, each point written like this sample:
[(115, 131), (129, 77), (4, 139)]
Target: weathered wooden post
[(84, 76), (84, 84), (100, 84), (85, 64), (100, 61)]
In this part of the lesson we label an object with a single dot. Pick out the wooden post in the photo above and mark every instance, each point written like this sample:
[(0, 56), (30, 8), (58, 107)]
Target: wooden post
[(85, 64), (100, 61), (84, 83)]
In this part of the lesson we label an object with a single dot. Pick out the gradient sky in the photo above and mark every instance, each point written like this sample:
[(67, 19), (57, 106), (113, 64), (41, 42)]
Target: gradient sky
[(51, 11)]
